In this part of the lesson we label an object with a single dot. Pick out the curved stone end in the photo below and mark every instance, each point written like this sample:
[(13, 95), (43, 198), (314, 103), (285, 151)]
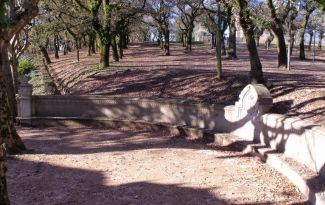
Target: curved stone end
[(254, 98)]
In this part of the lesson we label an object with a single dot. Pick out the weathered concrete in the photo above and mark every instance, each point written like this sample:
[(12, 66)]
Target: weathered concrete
[(309, 183), (297, 139), (242, 117), (24, 98)]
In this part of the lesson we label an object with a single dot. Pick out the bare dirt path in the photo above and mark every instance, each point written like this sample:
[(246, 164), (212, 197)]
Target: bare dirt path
[(101, 166), (145, 71)]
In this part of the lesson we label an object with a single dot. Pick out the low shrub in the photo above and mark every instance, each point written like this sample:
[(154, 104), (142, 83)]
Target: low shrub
[(25, 66)]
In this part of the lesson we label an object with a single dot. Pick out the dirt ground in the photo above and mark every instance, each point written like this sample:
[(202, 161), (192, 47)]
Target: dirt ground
[(104, 166), (145, 71)]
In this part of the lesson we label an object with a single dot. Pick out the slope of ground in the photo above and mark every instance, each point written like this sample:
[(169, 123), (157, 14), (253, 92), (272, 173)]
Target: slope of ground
[(103, 166), (145, 71)]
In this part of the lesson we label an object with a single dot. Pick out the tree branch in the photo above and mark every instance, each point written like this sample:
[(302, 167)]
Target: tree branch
[(20, 18)]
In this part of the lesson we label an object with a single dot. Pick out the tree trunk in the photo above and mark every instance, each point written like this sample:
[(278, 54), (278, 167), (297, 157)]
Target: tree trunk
[(4, 135), (124, 39), (218, 50), (127, 40), (321, 34), (166, 44), (115, 50), (13, 143), (89, 44), (14, 73), (69, 46), (281, 45), (120, 46), (84, 45), (189, 40), (292, 43), (45, 54), (302, 55), (257, 40), (276, 26), (161, 41), (212, 40), (310, 41), (105, 54), (56, 47), (77, 48), (232, 54), (223, 45), (8, 80), (256, 73), (185, 40), (182, 39), (94, 44), (65, 48)]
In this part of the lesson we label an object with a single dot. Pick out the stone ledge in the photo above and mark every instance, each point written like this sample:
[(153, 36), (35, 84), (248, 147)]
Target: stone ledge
[(192, 133), (299, 139), (310, 184)]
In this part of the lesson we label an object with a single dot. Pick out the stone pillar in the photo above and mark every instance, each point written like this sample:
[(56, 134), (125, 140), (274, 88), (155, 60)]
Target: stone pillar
[(254, 101), (24, 99)]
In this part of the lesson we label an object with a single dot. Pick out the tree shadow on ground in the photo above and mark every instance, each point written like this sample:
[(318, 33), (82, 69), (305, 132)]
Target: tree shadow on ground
[(64, 185), (90, 140), (192, 75), (42, 183), (200, 84)]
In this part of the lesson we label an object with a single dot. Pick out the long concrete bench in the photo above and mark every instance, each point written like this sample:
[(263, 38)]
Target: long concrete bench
[(248, 119)]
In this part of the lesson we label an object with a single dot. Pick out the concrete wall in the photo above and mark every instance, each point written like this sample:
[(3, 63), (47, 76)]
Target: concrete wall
[(239, 118), (155, 110), (297, 139)]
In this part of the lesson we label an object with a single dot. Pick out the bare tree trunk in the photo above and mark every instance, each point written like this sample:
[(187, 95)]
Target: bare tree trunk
[(160, 38), (219, 39), (4, 132), (276, 26), (89, 44), (223, 45), (105, 54), (45, 54), (212, 40), (4, 135), (65, 48), (302, 55), (56, 47), (310, 40), (77, 48), (182, 39), (14, 143), (256, 73), (127, 41), (166, 44), (8, 134), (257, 40), (232, 54), (281, 45), (320, 37), (292, 43), (189, 40), (218, 54), (8, 80), (115, 50), (69, 46), (120, 46)]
